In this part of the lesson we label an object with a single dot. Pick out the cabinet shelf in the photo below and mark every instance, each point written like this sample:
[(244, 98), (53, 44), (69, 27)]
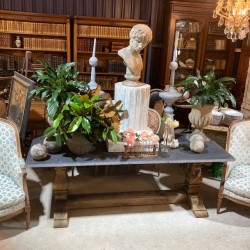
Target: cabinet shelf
[(103, 73), (104, 38), (188, 68), (216, 51), (14, 33), (192, 49), (24, 49), (216, 34), (98, 53)]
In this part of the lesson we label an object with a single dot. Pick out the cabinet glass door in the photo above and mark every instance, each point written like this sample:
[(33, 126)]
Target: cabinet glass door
[(216, 50), (186, 47)]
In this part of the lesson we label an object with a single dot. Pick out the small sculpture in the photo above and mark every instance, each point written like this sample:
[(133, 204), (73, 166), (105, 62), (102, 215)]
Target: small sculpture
[(174, 143), (18, 42), (140, 35), (38, 151), (197, 143)]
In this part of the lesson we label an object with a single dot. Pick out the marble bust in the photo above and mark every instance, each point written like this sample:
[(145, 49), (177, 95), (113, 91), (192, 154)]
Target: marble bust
[(140, 35)]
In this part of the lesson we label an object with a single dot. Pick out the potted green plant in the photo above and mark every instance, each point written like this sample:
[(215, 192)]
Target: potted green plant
[(56, 86), (206, 92), (75, 110), (84, 116)]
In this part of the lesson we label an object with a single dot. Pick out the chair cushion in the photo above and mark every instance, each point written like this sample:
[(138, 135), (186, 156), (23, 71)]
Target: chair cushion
[(10, 193), (238, 181)]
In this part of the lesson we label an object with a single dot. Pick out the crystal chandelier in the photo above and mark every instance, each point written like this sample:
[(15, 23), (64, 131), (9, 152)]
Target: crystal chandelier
[(234, 14)]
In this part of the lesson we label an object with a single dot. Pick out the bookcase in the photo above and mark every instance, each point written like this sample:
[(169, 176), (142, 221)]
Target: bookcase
[(111, 35), (46, 36)]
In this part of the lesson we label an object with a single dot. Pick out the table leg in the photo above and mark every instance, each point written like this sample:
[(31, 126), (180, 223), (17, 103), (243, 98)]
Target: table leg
[(60, 190), (192, 186)]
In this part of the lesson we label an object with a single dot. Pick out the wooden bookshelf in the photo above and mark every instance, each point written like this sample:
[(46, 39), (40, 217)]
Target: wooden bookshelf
[(111, 35), (46, 36)]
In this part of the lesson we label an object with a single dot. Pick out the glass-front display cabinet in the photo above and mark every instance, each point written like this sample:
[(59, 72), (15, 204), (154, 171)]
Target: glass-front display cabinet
[(186, 47), (194, 40), (216, 51)]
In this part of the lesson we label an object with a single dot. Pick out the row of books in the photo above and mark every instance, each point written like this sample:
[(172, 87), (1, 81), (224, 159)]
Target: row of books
[(86, 45), (5, 40), (32, 27), (103, 66), (116, 66), (115, 46), (44, 44), (215, 29), (54, 60), (10, 62), (219, 64), (217, 44), (103, 31), (107, 82)]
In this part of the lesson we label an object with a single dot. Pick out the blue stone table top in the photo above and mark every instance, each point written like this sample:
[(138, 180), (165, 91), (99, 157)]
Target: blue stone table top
[(99, 156)]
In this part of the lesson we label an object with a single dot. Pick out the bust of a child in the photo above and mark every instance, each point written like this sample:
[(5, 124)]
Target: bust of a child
[(140, 35)]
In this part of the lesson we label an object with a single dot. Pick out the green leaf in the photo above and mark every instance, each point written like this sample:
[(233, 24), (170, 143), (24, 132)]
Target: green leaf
[(50, 131), (75, 107), (58, 140), (44, 94), (65, 107), (114, 136), (57, 121), (86, 124), (104, 134), (74, 125), (52, 107)]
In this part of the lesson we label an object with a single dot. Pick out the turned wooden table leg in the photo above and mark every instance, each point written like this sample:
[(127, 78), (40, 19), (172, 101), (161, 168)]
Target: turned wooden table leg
[(192, 186), (60, 190)]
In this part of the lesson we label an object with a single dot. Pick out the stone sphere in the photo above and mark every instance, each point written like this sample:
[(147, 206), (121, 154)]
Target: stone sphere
[(173, 66), (38, 151), (197, 146), (93, 61)]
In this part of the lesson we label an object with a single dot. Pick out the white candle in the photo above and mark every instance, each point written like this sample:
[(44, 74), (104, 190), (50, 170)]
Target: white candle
[(94, 47)]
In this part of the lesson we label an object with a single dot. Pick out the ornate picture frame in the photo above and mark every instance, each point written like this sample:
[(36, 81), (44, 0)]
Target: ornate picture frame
[(19, 102)]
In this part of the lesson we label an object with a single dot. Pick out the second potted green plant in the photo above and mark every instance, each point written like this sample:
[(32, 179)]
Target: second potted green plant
[(206, 92)]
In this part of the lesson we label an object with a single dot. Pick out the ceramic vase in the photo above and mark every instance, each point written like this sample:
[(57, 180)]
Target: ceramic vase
[(18, 42), (79, 144), (200, 117)]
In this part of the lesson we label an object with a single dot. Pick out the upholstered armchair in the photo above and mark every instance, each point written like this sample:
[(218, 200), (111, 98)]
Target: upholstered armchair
[(235, 182), (14, 197)]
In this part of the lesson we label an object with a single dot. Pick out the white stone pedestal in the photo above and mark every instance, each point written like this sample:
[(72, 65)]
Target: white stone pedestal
[(136, 101)]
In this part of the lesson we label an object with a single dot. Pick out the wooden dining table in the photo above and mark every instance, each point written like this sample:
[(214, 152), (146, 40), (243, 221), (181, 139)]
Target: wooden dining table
[(188, 191)]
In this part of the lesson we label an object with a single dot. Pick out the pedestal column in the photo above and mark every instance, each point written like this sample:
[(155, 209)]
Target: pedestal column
[(135, 100)]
